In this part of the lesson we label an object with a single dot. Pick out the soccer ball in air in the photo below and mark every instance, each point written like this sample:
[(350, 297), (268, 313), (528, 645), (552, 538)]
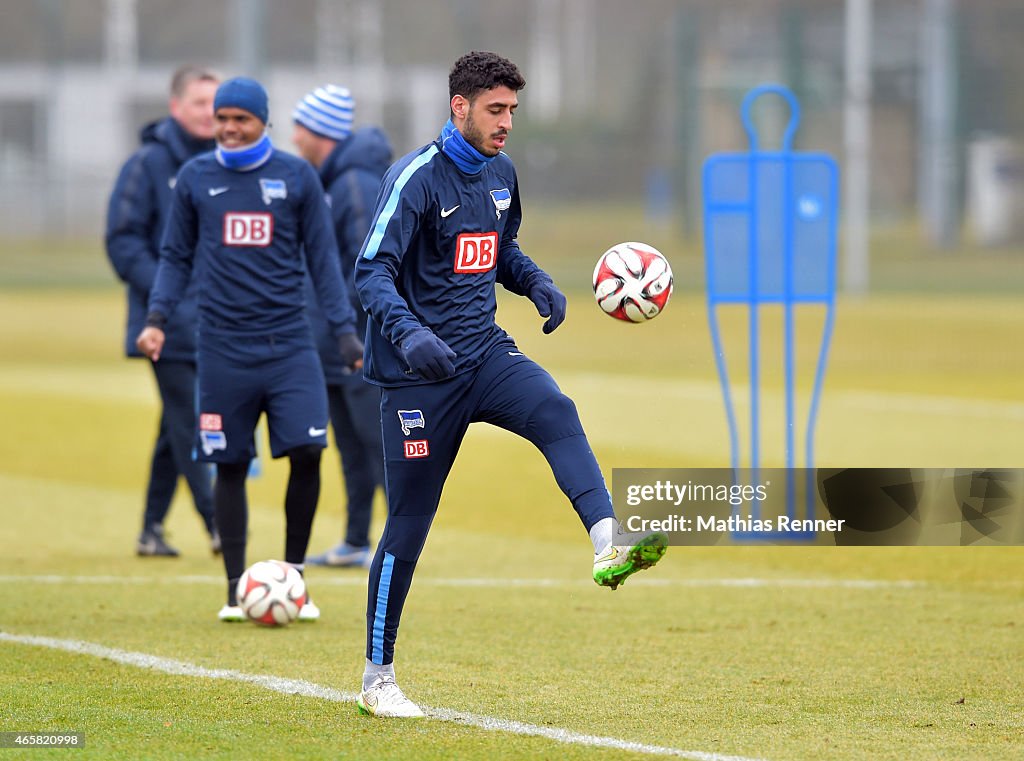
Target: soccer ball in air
[(632, 282), (271, 592)]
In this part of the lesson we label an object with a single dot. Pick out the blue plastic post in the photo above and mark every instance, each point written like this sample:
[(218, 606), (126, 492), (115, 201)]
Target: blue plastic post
[(770, 222)]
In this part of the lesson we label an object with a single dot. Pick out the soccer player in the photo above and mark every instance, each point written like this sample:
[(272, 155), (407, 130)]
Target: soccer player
[(136, 218), (351, 165), (249, 221), (444, 232)]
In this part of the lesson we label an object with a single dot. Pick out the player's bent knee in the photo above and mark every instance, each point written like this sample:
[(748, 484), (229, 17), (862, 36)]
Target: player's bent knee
[(553, 419)]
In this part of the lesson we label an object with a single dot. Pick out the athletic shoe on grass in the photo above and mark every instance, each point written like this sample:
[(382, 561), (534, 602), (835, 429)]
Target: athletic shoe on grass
[(385, 699), (309, 612), (343, 556), (230, 614), (151, 544), (617, 563)]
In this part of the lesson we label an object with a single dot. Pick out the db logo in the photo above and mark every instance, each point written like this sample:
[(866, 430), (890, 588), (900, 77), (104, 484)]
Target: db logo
[(476, 252), (417, 448), (248, 228), (209, 421)]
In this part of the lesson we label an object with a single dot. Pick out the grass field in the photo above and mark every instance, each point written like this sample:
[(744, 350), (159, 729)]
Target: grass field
[(748, 652)]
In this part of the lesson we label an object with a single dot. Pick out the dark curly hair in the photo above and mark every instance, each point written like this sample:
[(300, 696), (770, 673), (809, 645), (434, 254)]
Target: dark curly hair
[(479, 71)]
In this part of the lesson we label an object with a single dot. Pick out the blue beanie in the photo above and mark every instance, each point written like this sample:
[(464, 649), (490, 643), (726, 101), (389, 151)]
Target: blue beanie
[(244, 93), (327, 111)]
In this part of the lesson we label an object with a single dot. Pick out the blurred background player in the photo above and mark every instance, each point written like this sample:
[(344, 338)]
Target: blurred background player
[(351, 165), (136, 218), (444, 233), (250, 221)]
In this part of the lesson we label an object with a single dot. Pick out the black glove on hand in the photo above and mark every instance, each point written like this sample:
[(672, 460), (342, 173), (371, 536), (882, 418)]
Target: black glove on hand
[(351, 350), (549, 301), (427, 355)]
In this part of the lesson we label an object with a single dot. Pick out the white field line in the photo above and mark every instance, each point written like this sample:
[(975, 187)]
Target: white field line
[(360, 581), (311, 690)]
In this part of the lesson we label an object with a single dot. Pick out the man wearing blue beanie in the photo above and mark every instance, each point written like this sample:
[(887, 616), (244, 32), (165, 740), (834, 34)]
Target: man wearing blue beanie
[(250, 221), (351, 165), (244, 93)]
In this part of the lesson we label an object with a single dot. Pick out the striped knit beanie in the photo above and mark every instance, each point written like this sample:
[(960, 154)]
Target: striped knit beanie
[(327, 111)]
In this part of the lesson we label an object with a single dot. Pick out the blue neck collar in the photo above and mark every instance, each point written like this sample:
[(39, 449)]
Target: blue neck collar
[(457, 148), (247, 158)]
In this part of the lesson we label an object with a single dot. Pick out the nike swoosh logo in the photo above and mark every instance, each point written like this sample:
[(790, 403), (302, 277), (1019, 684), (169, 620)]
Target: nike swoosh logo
[(515, 354), (317, 431), (217, 191), (447, 212)]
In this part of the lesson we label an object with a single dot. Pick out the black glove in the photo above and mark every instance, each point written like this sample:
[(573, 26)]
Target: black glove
[(427, 355), (550, 303), (351, 350)]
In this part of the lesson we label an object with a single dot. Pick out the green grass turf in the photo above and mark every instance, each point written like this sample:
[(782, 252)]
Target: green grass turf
[(568, 237), (930, 670)]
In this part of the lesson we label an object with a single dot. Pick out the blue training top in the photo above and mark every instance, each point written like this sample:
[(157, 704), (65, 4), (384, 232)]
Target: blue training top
[(439, 241), (245, 234)]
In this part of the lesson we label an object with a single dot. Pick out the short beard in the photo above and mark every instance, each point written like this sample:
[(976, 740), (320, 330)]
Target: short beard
[(476, 138)]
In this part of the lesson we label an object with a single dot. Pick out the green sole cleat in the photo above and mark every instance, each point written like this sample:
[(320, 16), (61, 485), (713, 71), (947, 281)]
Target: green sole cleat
[(619, 562)]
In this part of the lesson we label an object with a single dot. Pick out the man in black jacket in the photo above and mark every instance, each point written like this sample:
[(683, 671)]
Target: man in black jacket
[(135, 225)]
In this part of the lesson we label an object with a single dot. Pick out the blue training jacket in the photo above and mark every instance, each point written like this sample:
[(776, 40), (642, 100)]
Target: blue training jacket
[(136, 217), (244, 234), (351, 175), (440, 241)]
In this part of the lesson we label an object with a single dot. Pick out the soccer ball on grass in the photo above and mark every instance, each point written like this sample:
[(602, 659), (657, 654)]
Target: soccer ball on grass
[(271, 593)]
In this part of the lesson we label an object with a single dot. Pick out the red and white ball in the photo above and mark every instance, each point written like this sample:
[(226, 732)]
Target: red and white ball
[(632, 282), (271, 593)]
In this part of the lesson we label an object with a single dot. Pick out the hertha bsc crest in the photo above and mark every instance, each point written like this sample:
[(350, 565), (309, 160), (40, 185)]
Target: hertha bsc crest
[(410, 419), (272, 189), (502, 200)]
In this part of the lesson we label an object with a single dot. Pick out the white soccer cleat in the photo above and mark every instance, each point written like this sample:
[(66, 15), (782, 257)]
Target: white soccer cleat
[(231, 613), (618, 562), (385, 699), (309, 612)]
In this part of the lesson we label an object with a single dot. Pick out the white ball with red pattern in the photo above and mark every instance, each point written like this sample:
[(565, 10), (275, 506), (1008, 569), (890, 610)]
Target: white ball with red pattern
[(632, 282), (271, 593)]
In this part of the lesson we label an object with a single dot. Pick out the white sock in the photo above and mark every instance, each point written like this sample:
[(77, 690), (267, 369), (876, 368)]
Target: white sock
[(375, 671), (601, 534)]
